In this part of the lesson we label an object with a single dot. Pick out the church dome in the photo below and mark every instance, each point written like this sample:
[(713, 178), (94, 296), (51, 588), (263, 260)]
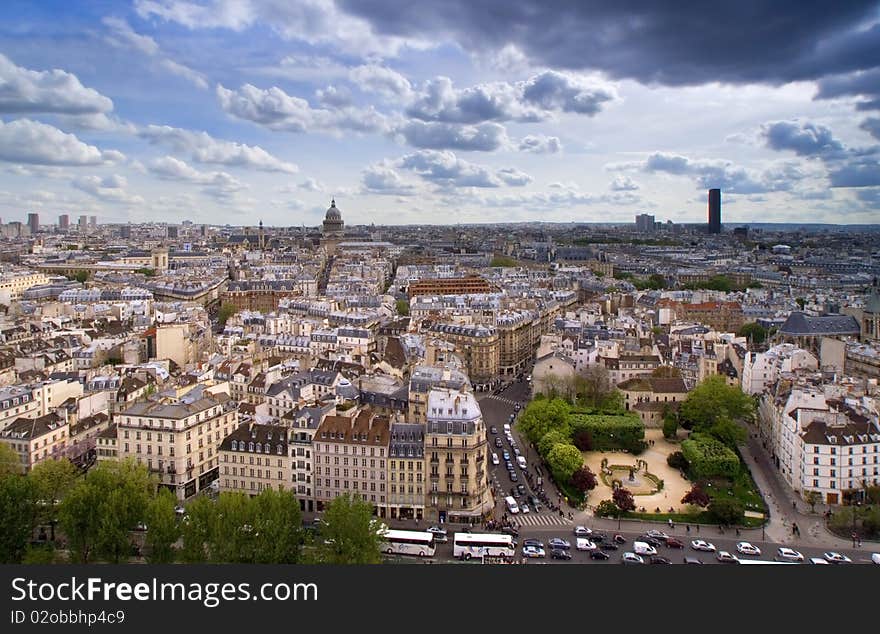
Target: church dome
[(333, 212)]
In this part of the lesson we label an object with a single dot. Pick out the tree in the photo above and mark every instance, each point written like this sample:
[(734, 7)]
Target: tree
[(564, 460), (607, 508), (349, 534), (583, 440), (584, 480), (226, 311), (81, 276), (754, 332), (670, 425), (541, 416), (549, 440), (801, 302), (196, 530), (10, 463), (502, 260), (727, 432), (594, 385), (623, 499), (16, 517), (402, 307), (52, 480), (713, 399), (812, 498), (231, 535), (278, 527), (676, 460), (727, 512), (696, 496), (162, 528)]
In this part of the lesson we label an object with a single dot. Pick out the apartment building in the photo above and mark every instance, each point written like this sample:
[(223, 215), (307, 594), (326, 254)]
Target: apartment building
[(17, 402), (178, 440), (479, 348), (14, 281), (253, 458), (302, 424), (407, 475), (762, 370), (449, 286), (423, 379), (37, 439), (351, 454), (455, 449), (516, 333)]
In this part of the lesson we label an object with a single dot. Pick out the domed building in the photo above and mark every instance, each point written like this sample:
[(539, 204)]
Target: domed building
[(333, 224)]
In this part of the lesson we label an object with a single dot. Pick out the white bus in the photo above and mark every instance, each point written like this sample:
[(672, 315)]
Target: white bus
[(469, 545), (419, 543), (512, 506)]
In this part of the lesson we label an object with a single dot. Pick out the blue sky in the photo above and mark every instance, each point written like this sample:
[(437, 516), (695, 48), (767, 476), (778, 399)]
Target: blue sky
[(234, 111)]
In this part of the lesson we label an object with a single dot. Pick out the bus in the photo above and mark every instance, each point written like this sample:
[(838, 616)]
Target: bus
[(468, 545), (397, 542)]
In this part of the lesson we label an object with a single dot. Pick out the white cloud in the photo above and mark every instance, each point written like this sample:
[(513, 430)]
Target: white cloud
[(623, 183), (109, 188), (203, 148), (384, 81), (220, 185), (312, 185), (540, 144), (27, 141), (123, 36), (277, 110), (55, 91), (485, 137), (514, 177), (384, 179)]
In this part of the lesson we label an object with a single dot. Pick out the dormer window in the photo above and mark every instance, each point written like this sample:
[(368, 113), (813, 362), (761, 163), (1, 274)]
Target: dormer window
[(234, 446), (250, 446)]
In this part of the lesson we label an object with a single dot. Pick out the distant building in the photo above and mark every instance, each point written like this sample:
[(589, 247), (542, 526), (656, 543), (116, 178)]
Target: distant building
[(125, 231), (450, 286), (645, 223), (64, 222), (83, 224), (33, 222), (714, 211), (93, 222)]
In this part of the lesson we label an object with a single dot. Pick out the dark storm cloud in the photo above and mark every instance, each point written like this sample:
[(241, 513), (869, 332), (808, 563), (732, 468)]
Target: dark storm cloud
[(675, 43), (872, 127), (864, 86), (804, 139), (485, 137)]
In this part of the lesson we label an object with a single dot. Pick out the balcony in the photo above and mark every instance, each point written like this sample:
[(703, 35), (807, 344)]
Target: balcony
[(435, 460)]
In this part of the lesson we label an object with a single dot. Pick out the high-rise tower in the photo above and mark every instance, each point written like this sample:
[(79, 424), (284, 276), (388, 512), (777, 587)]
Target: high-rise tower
[(714, 211)]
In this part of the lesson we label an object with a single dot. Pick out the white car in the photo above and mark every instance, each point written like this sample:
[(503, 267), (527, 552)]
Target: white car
[(789, 554), (631, 558), (524, 508), (745, 548), (582, 531), (836, 558), (533, 552), (819, 561), (495, 459), (582, 543), (875, 558), (699, 544), (657, 534), (726, 558)]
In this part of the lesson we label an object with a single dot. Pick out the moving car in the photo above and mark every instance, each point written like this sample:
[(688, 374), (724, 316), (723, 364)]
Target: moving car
[(495, 459), (537, 543), (819, 561), (510, 530), (533, 552), (657, 534), (498, 442), (631, 558), (657, 559), (524, 508), (699, 544), (745, 548), (582, 543), (726, 558), (875, 558), (506, 455), (692, 560), (788, 554), (619, 539), (598, 537), (671, 542), (582, 531), (836, 558), (557, 542), (610, 546), (559, 553), (651, 541), (493, 430), (600, 555), (513, 476), (643, 548)]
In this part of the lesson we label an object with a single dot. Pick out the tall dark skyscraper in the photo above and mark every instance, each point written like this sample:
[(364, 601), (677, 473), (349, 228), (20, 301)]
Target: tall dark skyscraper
[(714, 211)]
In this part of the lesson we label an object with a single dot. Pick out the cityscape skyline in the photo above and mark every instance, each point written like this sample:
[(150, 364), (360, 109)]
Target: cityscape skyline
[(220, 111)]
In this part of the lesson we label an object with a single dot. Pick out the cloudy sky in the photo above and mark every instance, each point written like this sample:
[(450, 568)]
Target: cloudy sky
[(443, 111)]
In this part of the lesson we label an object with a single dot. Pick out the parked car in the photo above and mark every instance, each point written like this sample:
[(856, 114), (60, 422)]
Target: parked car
[(699, 544), (657, 559), (533, 552), (836, 558), (671, 542), (745, 548), (788, 554), (558, 542), (559, 553), (513, 476), (582, 543), (631, 558), (725, 557), (600, 555), (506, 455), (582, 531)]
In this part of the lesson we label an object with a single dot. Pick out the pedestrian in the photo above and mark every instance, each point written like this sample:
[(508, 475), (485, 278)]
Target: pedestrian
[(698, 528), (687, 527)]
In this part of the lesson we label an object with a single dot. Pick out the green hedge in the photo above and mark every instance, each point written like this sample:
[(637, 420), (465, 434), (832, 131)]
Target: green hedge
[(611, 432), (709, 458)]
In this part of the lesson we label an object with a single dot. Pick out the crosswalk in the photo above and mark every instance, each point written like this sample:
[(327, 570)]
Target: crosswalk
[(503, 399), (541, 519)]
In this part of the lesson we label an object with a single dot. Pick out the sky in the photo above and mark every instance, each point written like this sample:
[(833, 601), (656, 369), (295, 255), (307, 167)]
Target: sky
[(439, 111)]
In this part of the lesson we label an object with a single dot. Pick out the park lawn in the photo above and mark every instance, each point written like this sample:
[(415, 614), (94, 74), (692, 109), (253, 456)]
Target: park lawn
[(702, 517)]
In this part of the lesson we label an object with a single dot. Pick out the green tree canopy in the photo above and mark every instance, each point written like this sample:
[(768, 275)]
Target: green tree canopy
[(196, 530), (753, 331), (726, 511), (714, 399), (16, 517), (564, 460), (10, 463), (226, 311), (278, 527), (549, 440), (542, 416), (402, 307), (162, 528), (349, 533)]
